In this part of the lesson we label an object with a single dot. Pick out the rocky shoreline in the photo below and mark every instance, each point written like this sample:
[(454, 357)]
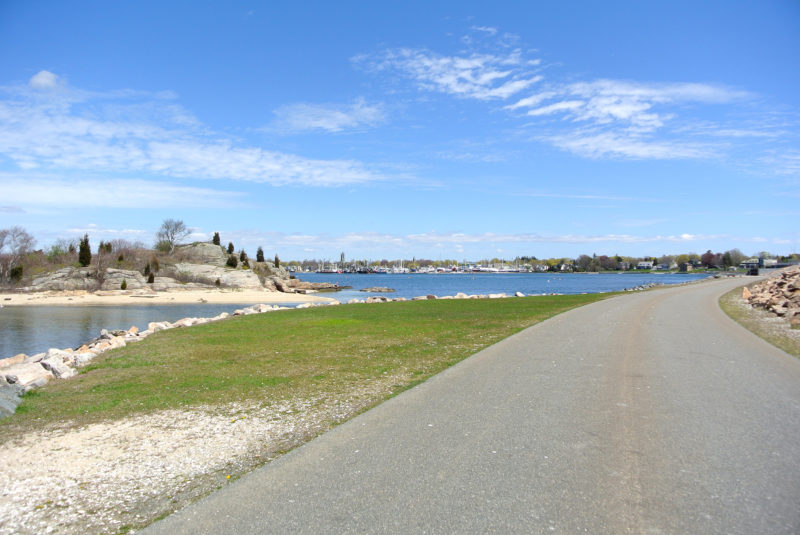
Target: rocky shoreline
[(778, 294)]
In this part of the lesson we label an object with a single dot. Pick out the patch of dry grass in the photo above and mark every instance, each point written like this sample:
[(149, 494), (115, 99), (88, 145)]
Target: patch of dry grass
[(768, 326)]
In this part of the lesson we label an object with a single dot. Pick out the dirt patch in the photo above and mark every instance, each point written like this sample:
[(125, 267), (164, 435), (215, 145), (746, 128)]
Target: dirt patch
[(115, 476)]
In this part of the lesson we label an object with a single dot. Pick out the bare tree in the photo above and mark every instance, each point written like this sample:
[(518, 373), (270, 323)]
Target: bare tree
[(172, 231), (15, 242)]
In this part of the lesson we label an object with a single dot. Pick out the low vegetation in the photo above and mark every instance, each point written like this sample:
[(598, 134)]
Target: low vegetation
[(771, 328), (284, 355)]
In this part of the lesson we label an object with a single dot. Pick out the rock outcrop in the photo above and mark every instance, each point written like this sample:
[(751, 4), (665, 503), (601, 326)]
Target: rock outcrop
[(202, 253), (779, 294), (113, 278), (67, 279), (206, 274)]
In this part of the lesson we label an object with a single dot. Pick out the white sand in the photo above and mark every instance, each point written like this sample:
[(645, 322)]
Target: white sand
[(138, 297)]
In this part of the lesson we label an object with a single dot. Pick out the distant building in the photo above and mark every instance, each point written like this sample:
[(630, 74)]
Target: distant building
[(624, 266), (644, 265), (751, 263)]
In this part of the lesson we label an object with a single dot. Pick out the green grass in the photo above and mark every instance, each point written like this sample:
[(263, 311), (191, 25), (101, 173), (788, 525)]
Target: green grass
[(269, 357), (749, 319)]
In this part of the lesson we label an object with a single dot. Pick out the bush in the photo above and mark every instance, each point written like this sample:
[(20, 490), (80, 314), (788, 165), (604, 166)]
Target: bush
[(230, 247), (15, 273), (260, 255), (242, 256), (151, 278), (147, 269), (124, 285), (215, 240), (232, 261), (277, 261), (121, 257), (217, 283)]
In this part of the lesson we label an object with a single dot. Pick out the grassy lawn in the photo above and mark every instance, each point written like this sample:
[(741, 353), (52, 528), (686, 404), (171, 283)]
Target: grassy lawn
[(759, 322), (269, 357)]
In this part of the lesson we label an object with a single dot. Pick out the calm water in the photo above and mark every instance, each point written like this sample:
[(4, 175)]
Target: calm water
[(34, 329), (412, 285)]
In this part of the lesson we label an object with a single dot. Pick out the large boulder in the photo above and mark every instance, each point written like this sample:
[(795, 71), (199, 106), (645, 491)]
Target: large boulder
[(205, 274), (202, 253), (27, 374), (66, 279), (114, 277)]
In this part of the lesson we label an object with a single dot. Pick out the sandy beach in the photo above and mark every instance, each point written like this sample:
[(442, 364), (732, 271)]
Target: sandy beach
[(182, 297)]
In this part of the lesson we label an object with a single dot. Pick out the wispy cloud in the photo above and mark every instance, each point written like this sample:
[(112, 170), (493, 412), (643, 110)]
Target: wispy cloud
[(476, 76), (47, 125), (52, 191), (303, 117)]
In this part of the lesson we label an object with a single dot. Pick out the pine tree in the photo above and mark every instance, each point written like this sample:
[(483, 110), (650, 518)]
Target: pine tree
[(277, 261), (215, 239), (260, 255), (84, 251), (242, 256), (230, 247)]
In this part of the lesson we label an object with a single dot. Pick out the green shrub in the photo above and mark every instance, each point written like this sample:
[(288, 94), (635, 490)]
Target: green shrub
[(16, 273), (230, 247), (151, 278), (217, 283), (232, 261), (260, 255), (277, 261), (124, 285), (215, 240), (84, 251)]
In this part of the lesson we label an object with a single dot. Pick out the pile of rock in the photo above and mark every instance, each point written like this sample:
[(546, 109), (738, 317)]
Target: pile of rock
[(779, 294)]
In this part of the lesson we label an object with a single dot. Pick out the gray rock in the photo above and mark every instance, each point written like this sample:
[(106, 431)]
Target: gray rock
[(67, 279), (10, 397), (57, 367), (112, 280), (376, 299), (202, 253), (26, 373), (205, 274), (379, 289), (34, 358)]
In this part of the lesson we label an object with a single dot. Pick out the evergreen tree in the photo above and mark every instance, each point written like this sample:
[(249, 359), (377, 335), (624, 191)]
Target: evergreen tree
[(260, 255), (84, 251), (215, 239), (232, 261), (230, 247), (242, 256), (277, 261)]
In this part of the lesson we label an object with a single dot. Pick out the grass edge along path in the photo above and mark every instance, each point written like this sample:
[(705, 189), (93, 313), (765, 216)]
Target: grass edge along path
[(284, 355), (759, 322)]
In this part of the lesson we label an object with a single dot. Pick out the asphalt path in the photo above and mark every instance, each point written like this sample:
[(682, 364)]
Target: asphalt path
[(647, 413)]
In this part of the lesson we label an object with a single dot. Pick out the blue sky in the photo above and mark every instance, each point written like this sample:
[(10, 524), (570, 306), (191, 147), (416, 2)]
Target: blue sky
[(389, 129)]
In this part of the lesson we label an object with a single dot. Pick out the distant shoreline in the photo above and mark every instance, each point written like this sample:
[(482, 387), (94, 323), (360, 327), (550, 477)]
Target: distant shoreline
[(185, 297)]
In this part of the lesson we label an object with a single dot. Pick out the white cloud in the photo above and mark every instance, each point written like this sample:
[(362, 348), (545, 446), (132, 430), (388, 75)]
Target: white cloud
[(133, 132), (43, 80), (485, 29), (597, 145), (50, 191), (476, 76), (303, 117)]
